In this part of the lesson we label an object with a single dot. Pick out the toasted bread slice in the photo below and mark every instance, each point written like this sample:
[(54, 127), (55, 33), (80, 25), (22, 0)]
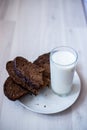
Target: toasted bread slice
[(44, 62), (32, 74), (17, 79), (12, 90)]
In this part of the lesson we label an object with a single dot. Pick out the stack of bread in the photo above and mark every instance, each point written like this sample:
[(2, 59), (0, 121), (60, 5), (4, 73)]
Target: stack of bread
[(26, 77)]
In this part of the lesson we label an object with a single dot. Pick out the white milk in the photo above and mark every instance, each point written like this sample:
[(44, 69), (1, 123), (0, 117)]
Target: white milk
[(62, 71)]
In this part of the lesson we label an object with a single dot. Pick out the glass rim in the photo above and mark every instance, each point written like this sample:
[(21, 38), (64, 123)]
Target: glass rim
[(67, 47)]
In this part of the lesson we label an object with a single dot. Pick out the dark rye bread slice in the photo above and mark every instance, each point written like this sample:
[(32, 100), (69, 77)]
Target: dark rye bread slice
[(18, 80), (32, 74), (44, 62), (12, 90), (18, 77)]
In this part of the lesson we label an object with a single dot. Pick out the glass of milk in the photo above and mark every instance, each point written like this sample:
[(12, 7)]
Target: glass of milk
[(63, 62)]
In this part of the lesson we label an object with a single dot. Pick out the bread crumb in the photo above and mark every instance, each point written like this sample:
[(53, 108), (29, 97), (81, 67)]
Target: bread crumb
[(44, 105)]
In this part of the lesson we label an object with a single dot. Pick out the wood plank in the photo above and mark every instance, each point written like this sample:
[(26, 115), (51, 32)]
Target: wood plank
[(6, 35)]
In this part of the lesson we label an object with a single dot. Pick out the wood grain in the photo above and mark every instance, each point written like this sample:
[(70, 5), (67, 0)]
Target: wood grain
[(30, 28)]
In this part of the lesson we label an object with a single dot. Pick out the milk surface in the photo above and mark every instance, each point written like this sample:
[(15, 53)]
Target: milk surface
[(63, 57), (62, 71)]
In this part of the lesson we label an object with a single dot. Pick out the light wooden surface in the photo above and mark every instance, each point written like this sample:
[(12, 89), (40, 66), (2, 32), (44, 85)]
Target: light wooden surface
[(30, 28)]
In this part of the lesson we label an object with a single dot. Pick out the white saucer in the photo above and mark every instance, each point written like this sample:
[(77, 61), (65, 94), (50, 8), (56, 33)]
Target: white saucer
[(47, 102)]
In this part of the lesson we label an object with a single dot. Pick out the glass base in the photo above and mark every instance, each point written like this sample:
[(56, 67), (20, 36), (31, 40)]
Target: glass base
[(62, 95)]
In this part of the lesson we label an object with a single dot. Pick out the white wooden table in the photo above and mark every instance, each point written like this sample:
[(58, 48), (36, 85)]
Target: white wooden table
[(30, 28)]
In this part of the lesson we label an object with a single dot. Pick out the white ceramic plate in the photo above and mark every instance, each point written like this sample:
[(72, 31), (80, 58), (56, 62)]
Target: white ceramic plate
[(47, 102)]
